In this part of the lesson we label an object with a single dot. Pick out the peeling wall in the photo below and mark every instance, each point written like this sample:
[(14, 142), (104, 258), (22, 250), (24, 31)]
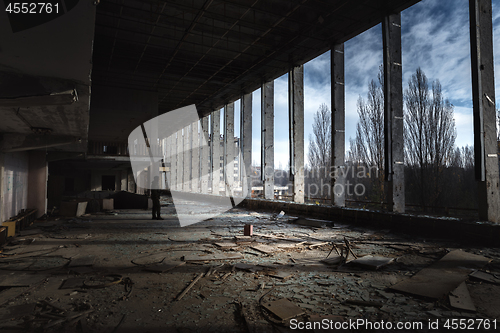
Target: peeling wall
[(14, 183)]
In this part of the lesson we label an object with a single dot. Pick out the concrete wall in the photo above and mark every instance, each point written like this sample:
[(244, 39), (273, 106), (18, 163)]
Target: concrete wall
[(13, 183)]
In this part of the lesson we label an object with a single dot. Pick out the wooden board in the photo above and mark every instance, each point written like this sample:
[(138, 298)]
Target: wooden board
[(283, 308), (264, 248), (372, 262), (460, 298), (443, 276), (215, 256), (226, 244), (280, 275)]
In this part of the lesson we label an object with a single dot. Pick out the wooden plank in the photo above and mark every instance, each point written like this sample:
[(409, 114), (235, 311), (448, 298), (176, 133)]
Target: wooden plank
[(443, 276), (264, 248), (280, 275), (283, 308), (226, 244), (215, 256), (460, 298)]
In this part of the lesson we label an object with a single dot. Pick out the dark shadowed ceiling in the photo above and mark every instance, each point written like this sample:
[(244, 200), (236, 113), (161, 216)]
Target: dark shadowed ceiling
[(209, 52)]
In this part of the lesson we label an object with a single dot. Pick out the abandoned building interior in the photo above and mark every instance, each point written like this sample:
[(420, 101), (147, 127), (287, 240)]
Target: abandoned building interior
[(98, 98)]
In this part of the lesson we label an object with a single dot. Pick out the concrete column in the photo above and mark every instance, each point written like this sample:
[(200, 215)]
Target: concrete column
[(393, 113), (124, 180), (338, 126), (484, 110), (229, 148), (186, 183), (195, 158), (246, 144), (173, 162), (267, 141), (168, 159), (296, 131), (37, 182), (131, 187), (215, 152), (180, 161), (205, 151)]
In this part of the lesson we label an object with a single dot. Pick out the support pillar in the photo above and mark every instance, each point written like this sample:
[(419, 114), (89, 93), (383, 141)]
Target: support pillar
[(215, 142), (205, 158), (123, 180), (267, 141), (229, 148), (180, 161), (338, 126), (186, 183), (168, 160), (296, 130), (484, 109), (393, 114), (37, 182), (245, 164), (195, 158)]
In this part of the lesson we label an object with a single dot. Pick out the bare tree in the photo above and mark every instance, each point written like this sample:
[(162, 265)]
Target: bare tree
[(429, 135), (367, 148), (320, 142), (320, 147)]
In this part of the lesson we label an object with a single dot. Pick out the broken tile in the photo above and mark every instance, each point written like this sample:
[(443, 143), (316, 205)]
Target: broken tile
[(81, 261), (443, 276), (283, 308), (72, 283), (485, 277), (460, 298)]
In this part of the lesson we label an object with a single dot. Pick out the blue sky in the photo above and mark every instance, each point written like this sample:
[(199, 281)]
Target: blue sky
[(435, 37)]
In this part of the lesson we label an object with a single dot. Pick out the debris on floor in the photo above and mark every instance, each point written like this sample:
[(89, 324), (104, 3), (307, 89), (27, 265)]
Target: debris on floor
[(124, 273)]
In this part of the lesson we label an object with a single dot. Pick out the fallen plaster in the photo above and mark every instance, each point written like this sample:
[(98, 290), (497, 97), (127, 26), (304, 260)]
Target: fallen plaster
[(122, 272)]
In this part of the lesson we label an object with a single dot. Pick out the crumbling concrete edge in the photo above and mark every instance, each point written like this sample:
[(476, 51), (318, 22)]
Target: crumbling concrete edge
[(485, 233)]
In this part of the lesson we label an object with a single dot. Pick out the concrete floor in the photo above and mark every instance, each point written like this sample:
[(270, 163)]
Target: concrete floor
[(95, 251)]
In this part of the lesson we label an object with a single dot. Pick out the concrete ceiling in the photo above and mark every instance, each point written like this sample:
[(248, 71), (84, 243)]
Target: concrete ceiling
[(209, 52)]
